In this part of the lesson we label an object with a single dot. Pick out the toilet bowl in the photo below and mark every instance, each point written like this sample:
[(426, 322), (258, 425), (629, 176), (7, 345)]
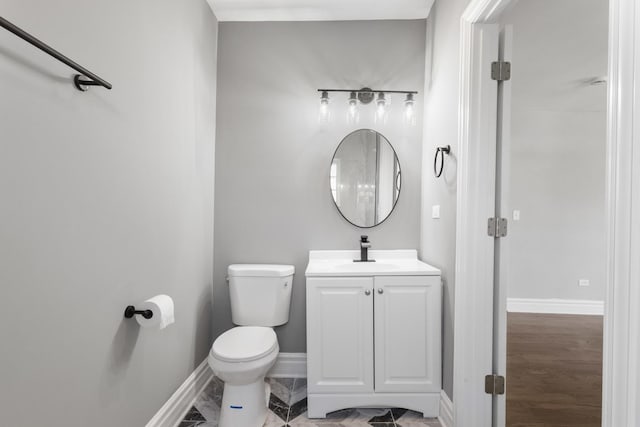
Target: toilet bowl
[(241, 357)]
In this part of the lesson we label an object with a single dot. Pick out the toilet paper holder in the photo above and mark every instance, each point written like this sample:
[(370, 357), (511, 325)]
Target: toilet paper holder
[(130, 311)]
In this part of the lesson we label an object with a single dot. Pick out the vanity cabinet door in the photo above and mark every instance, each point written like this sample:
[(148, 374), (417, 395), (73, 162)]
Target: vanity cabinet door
[(340, 334), (407, 334)]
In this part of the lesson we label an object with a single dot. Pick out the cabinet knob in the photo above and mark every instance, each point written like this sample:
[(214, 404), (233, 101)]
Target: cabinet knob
[(367, 292), (380, 290)]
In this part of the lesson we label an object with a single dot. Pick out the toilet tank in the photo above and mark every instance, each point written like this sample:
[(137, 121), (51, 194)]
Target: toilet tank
[(260, 293)]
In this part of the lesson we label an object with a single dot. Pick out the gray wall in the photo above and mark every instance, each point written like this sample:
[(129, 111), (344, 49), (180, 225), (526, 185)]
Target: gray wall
[(438, 236), (273, 202), (107, 199), (558, 149)]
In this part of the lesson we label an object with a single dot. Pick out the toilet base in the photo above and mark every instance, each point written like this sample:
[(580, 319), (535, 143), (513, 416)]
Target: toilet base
[(244, 405)]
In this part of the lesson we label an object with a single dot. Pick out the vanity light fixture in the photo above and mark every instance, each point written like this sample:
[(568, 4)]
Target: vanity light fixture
[(352, 113), (409, 111), (366, 96), (381, 108), (324, 107)]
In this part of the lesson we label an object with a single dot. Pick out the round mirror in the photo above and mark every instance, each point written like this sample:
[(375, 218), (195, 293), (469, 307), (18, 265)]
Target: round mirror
[(365, 178)]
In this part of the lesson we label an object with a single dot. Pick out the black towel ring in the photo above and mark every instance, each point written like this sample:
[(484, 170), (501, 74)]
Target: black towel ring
[(440, 152)]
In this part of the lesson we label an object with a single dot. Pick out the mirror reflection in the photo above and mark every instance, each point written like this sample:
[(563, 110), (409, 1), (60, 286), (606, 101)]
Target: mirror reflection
[(365, 178)]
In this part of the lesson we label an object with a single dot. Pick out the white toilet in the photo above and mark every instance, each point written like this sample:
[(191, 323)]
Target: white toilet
[(242, 356)]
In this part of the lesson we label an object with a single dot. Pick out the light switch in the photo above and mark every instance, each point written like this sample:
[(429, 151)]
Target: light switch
[(516, 215), (435, 211), (583, 282)]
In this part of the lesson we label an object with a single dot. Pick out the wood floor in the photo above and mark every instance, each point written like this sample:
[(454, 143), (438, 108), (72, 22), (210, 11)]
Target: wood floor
[(554, 370)]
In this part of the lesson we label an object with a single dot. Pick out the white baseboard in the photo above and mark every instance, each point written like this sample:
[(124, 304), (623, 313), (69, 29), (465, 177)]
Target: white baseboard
[(555, 306), (174, 410), (289, 365), (446, 410)]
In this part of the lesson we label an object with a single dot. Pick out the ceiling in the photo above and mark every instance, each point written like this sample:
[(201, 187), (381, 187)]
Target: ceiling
[(319, 10)]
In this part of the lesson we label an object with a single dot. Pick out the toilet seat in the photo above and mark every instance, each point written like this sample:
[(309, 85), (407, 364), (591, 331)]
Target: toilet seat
[(244, 344)]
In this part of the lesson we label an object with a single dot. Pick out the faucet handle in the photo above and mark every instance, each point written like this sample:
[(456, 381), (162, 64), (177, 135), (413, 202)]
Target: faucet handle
[(364, 242)]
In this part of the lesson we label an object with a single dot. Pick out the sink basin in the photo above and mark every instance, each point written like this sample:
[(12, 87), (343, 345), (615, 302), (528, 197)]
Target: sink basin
[(366, 266), (388, 263)]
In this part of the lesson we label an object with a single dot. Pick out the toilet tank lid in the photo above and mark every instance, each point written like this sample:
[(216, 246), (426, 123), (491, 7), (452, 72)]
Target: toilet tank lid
[(260, 270)]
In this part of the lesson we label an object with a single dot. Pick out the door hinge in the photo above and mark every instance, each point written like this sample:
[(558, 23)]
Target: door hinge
[(497, 227), (494, 384), (501, 71)]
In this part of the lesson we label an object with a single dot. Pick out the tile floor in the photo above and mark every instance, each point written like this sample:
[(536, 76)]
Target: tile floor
[(288, 408)]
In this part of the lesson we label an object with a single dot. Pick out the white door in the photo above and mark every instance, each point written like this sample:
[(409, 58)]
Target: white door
[(501, 262), (340, 334), (407, 333)]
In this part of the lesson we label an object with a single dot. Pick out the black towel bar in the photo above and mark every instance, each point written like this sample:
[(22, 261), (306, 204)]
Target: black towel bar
[(85, 78)]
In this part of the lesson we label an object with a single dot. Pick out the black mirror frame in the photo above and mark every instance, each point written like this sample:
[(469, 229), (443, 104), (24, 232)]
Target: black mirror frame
[(398, 177)]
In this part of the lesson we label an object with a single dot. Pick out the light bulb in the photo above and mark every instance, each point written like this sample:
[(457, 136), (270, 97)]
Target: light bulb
[(409, 110), (381, 109), (324, 108), (352, 111)]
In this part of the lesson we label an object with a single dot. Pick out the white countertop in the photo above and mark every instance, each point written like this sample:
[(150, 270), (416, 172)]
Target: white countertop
[(340, 263)]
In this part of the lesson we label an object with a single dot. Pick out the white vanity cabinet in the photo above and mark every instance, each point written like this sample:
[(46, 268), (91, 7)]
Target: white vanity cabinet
[(340, 334), (407, 334), (373, 334)]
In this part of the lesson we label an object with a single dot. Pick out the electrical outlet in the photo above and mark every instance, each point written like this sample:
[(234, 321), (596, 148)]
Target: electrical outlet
[(583, 282)]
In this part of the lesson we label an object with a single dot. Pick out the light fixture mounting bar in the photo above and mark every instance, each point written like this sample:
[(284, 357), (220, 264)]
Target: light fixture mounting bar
[(369, 90)]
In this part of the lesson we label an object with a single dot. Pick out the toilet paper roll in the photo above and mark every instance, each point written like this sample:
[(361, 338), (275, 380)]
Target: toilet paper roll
[(162, 308)]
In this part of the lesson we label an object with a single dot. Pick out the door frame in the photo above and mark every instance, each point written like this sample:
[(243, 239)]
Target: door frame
[(474, 249)]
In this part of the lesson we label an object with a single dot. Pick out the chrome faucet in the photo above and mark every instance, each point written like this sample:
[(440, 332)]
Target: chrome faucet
[(365, 244)]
